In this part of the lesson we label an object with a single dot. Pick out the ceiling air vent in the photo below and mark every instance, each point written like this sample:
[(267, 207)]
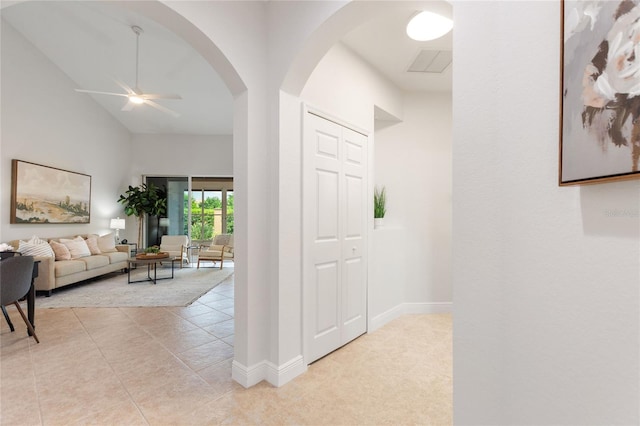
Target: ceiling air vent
[(431, 61)]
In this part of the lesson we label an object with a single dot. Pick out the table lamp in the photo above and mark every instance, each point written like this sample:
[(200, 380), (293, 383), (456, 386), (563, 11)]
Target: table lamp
[(117, 224)]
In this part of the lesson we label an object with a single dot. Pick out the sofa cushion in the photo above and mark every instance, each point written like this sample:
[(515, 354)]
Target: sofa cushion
[(35, 247), (77, 247), (61, 251), (68, 267), (107, 243), (116, 257), (95, 261), (92, 243)]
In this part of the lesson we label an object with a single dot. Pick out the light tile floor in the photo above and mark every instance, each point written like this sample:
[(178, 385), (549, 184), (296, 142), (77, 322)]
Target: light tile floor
[(161, 366)]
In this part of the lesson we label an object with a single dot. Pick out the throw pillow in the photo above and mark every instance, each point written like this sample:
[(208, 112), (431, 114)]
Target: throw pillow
[(61, 251), (36, 240), (35, 247), (107, 243), (92, 243), (77, 247)]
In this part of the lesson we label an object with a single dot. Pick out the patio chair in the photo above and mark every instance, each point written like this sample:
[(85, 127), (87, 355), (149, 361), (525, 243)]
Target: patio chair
[(220, 250)]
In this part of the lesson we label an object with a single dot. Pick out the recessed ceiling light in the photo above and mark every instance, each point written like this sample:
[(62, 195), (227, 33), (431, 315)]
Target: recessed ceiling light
[(428, 26)]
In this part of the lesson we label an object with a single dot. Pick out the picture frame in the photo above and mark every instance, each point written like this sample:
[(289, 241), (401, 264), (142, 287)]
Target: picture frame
[(600, 92), (48, 195)]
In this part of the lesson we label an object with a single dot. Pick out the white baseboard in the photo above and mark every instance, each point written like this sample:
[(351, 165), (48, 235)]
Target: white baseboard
[(427, 308), (248, 376), (408, 308), (385, 317), (277, 375)]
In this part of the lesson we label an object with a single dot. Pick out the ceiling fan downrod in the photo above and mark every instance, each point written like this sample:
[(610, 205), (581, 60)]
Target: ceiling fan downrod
[(137, 30)]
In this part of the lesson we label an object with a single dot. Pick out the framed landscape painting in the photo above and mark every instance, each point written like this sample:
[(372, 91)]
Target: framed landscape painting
[(42, 194), (600, 91)]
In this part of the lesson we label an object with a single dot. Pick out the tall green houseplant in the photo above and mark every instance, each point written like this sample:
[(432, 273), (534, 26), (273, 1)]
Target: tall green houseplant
[(144, 199)]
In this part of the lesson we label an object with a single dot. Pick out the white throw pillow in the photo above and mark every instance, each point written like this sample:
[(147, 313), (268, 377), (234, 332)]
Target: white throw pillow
[(107, 243), (77, 247), (35, 247)]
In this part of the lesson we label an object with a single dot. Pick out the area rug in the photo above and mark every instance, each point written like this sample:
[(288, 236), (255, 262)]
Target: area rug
[(113, 291)]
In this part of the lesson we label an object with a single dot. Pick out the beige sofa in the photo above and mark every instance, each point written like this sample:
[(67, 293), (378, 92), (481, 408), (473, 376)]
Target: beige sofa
[(54, 274)]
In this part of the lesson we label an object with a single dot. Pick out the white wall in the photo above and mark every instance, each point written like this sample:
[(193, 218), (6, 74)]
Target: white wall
[(546, 281), (182, 155), (81, 137), (346, 87), (411, 266)]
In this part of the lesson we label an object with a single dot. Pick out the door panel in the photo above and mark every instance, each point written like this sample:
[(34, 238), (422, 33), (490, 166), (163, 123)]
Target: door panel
[(327, 205), (353, 207), (327, 332)]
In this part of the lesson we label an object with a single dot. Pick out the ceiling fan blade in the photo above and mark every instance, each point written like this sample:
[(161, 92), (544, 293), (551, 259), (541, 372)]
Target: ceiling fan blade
[(126, 88), (128, 106), (160, 96), (161, 108), (101, 93)]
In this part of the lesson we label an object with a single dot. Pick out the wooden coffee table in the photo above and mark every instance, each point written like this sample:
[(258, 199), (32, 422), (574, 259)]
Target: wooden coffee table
[(152, 264)]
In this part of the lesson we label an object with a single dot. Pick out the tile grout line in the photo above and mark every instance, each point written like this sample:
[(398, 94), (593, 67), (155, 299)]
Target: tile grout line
[(35, 381)]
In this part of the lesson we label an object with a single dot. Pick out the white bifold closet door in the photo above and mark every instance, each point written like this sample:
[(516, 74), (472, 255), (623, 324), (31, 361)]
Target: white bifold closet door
[(335, 235)]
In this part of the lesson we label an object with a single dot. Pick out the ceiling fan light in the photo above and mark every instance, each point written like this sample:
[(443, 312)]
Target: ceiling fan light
[(136, 99), (428, 26)]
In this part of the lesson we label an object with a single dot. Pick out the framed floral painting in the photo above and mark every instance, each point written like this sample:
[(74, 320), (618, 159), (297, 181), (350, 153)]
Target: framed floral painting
[(600, 96), (42, 194)]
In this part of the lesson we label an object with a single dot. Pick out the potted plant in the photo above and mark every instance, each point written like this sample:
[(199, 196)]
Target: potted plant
[(144, 199), (152, 250), (379, 206)]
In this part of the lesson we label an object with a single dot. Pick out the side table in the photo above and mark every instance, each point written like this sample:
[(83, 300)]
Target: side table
[(134, 248)]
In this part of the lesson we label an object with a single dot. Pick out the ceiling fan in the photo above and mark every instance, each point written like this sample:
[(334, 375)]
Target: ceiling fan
[(136, 96)]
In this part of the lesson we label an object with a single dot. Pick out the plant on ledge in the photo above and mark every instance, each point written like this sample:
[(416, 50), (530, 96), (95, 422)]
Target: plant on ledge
[(144, 199), (379, 203)]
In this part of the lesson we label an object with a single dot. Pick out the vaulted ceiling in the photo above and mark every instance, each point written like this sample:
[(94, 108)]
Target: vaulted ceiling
[(93, 44)]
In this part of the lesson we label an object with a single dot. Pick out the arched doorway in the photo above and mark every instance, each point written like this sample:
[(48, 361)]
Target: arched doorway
[(319, 42), (175, 22)]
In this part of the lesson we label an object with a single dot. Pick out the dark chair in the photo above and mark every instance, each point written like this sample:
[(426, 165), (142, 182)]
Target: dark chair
[(4, 255), (15, 281)]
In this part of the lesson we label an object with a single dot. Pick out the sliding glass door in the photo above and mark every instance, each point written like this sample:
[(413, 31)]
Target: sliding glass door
[(211, 206), (200, 207)]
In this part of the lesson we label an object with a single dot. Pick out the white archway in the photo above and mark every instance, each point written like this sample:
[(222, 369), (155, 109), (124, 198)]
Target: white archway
[(316, 43), (203, 43)]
